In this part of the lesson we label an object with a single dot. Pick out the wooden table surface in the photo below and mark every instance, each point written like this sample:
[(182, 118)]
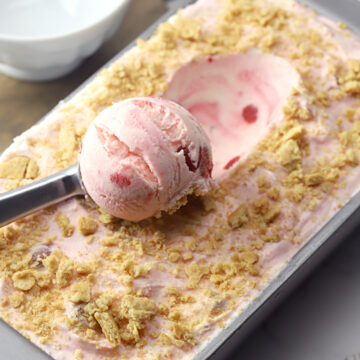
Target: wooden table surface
[(24, 103)]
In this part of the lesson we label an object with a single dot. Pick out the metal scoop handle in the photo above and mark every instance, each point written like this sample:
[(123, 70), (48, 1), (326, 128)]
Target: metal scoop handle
[(25, 200)]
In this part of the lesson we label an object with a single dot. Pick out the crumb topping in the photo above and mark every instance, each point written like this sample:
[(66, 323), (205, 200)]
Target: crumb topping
[(80, 292), (64, 224), (108, 326), (23, 280), (87, 226)]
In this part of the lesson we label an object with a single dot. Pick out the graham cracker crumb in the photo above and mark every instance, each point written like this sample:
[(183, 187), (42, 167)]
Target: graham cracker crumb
[(261, 205), (42, 279), (195, 273), (64, 224), (352, 87), (239, 217), (108, 327), (106, 218), (23, 280), (263, 184), (314, 179), (273, 238), (296, 193), (68, 143), (341, 25), (174, 254), (50, 239), (64, 272), (83, 269), (181, 332), (138, 309), (89, 239), (17, 298), (111, 240), (134, 269), (11, 233), (351, 157), (80, 292), (87, 226), (273, 193), (289, 155), (32, 170), (103, 302), (349, 113), (78, 355), (3, 241), (14, 169), (295, 132), (52, 261), (187, 256), (272, 214)]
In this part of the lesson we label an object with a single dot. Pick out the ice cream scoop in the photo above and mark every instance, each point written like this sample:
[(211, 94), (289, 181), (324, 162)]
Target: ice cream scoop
[(139, 157), (142, 155)]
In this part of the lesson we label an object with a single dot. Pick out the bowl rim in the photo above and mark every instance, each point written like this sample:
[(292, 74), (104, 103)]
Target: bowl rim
[(67, 34)]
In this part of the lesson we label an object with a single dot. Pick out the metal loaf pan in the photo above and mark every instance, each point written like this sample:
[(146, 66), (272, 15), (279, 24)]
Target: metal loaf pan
[(14, 346)]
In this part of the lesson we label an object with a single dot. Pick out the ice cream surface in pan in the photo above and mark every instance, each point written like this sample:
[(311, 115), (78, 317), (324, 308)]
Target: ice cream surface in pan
[(276, 89)]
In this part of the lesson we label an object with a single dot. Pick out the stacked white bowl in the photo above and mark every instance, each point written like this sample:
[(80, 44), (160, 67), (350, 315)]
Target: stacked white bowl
[(45, 39)]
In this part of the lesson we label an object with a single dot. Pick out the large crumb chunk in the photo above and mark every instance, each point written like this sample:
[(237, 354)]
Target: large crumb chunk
[(87, 226), (106, 218), (195, 272), (136, 308), (17, 298), (64, 224), (64, 272), (272, 214), (3, 240), (289, 154), (67, 142), (181, 333), (80, 292), (295, 132), (14, 168), (108, 327), (32, 170), (239, 217), (314, 179), (130, 267), (43, 279), (52, 261), (23, 280), (83, 269)]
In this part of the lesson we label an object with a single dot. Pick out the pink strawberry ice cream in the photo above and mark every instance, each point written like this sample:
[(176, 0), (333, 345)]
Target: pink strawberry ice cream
[(142, 155)]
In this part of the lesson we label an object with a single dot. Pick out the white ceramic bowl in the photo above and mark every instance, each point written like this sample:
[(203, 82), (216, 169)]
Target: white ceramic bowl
[(45, 39)]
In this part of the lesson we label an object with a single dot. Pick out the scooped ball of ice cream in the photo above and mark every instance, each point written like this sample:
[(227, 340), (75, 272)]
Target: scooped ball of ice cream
[(142, 155)]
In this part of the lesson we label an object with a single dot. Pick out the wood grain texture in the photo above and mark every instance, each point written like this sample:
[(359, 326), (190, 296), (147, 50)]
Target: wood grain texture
[(24, 103)]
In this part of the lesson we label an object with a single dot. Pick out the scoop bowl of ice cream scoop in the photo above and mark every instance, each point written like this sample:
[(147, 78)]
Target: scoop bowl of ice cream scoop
[(143, 155), (139, 157)]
